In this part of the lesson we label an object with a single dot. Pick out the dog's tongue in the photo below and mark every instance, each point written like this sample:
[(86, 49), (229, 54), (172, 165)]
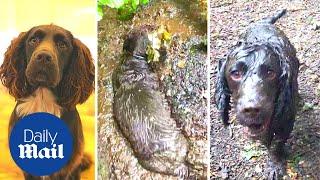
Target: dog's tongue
[(254, 132)]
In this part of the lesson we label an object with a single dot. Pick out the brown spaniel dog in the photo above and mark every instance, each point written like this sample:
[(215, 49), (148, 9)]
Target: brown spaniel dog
[(48, 70), (143, 114), (260, 75)]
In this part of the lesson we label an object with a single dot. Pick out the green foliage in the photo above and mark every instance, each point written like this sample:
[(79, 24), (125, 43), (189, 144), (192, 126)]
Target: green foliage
[(251, 150), (307, 106), (160, 38), (126, 8), (295, 160)]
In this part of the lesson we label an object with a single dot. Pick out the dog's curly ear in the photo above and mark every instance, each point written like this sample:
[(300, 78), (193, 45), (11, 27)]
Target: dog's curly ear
[(222, 94), (77, 82), (12, 71)]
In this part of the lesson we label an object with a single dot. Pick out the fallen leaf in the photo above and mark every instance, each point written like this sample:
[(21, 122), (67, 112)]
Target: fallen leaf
[(250, 151), (258, 169), (181, 64), (307, 106)]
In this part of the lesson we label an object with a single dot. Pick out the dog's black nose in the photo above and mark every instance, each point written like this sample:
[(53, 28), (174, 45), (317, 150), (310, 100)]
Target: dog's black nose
[(44, 57), (251, 112)]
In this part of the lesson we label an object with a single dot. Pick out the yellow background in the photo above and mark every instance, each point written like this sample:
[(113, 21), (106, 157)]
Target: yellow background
[(79, 17)]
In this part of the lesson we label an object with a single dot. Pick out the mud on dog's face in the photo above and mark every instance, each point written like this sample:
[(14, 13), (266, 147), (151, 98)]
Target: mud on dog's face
[(48, 52), (252, 75)]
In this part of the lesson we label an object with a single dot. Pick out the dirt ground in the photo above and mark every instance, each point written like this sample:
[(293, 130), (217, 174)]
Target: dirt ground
[(234, 156)]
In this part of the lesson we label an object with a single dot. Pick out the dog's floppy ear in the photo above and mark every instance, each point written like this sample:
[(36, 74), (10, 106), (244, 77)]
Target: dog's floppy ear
[(222, 94), (286, 103), (12, 71), (77, 82)]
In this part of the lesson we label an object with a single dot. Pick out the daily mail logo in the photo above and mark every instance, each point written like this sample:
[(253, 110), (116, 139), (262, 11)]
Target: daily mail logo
[(31, 150), (41, 144)]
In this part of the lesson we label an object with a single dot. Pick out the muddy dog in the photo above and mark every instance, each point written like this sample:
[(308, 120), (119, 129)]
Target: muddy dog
[(46, 69), (260, 74), (142, 112)]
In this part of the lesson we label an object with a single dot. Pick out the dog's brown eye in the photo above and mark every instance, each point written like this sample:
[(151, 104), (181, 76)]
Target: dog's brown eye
[(34, 40), (236, 75), (271, 74), (61, 44)]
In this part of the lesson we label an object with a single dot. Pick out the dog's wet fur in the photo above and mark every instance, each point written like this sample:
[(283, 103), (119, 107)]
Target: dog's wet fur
[(142, 113), (260, 74)]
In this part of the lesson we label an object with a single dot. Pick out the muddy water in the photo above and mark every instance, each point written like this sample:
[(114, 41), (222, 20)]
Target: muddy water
[(185, 21)]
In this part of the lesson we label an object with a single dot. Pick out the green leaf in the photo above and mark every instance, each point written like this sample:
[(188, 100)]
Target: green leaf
[(115, 3), (103, 2), (250, 150), (125, 13), (100, 12), (166, 36), (150, 53), (134, 4), (307, 106), (126, 8), (310, 20), (294, 160), (144, 2)]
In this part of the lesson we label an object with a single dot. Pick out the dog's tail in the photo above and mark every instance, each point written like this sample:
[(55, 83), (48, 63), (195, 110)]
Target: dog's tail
[(273, 19)]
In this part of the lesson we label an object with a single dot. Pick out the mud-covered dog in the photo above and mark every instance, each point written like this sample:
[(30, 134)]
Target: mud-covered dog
[(142, 112), (260, 74)]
